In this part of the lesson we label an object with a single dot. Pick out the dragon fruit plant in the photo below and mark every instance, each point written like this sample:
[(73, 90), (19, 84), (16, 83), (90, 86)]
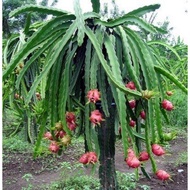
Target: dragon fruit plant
[(105, 70)]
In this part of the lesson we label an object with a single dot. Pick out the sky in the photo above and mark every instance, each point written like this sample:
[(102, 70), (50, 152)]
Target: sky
[(175, 10)]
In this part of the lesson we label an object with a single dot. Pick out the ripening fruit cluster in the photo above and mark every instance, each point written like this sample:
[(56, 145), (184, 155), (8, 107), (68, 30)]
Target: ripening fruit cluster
[(165, 104), (96, 116), (17, 96), (58, 136), (88, 158), (132, 104), (159, 151), (134, 162)]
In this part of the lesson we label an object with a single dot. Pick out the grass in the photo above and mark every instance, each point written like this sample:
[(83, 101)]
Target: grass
[(77, 183), (73, 177), (183, 158), (15, 144), (84, 182)]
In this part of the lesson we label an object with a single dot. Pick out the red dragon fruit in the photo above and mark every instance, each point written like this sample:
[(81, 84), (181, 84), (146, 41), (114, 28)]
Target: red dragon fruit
[(93, 95), (144, 156), (92, 158), (157, 150), (133, 162), (162, 175), (96, 117), (130, 152), (167, 105), (131, 85), (88, 158), (132, 104), (70, 117), (72, 126), (48, 135), (84, 158), (132, 123), (54, 147), (143, 114), (60, 134)]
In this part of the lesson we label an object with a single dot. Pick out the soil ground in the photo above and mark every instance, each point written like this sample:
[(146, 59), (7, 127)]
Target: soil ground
[(17, 165)]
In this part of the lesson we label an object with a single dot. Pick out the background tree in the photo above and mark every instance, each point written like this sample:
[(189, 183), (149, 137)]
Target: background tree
[(165, 29), (12, 25), (111, 12)]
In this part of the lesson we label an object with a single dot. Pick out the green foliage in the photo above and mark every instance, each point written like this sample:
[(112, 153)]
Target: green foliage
[(12, 122), (16, 144), (126, 181), (72, 177), (182, 158), (79, 183), (173, 58), (178, 117), (28, 177)]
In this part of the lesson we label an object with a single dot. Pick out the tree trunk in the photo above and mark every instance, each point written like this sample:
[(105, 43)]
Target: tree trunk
[(106, 138)]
